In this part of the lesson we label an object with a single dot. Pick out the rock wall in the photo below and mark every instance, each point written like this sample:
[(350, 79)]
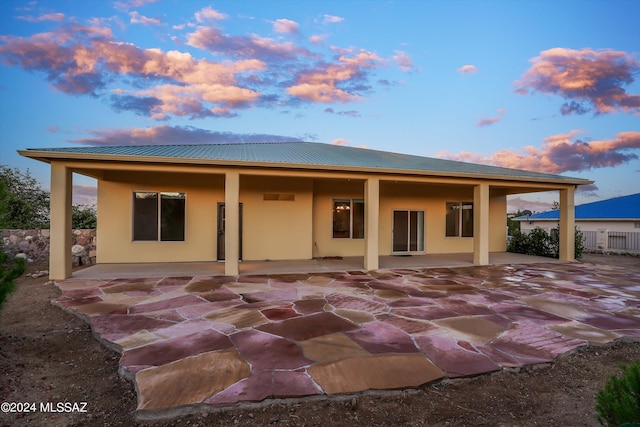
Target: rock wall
[(34, 244)]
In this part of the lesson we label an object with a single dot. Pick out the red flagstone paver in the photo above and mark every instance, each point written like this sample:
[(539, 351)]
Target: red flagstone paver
[(314, 325), (170, 350), (455, 359), (219, 340), (268, 352), (381, 337)]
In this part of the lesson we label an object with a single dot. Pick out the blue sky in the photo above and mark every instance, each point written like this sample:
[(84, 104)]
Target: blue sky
[(540, 85)]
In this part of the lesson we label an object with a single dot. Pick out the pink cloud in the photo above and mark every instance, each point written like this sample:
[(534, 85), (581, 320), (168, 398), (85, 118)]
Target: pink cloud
[(590, 80), (285, 26), (490, 121), (253, 46), (90, 60), (403, 60), (317, 38), (132, 3), (329, 19), (468, 69), (136, 18), (321, 84), (487, 122), (85, 194), (170, 134), (562, 153), (340, 141), (209, 14), (57, 17), (83, 60)]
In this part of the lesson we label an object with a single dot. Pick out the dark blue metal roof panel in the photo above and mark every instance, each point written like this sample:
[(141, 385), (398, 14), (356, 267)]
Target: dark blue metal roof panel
[(625, 207)]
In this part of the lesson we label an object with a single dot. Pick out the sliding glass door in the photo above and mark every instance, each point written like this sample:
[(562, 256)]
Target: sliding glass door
[(408, 231)]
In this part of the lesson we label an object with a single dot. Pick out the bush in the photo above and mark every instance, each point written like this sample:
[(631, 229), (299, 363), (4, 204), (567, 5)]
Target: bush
[(618, 403), (579, 243), (8, 272), (540, 243)]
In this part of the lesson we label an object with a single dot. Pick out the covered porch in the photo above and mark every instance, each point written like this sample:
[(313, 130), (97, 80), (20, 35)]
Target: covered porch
[(313, 196), (316, 265)]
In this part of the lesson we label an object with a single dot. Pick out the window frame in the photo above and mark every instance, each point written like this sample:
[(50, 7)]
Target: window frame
[(162, 233), (356, 225), (463, 223)]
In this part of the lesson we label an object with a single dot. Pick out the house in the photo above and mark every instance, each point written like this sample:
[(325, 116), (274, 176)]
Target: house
[(292, 200), (612, 224)]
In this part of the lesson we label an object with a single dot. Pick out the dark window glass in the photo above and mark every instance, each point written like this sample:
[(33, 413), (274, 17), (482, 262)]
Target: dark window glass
[(341, 219), (467, 219), (453, 219), (145, 216), (172, 209), (459, 221), (413, 230), (169, 210), (358, 219)]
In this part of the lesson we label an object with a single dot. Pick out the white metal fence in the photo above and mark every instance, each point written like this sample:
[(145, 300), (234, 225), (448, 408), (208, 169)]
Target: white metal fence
[(612, 240)]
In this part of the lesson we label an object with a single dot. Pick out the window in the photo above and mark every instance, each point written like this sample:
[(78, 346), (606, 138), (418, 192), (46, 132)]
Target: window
[(158, 216), (459, 222), (348, 219)]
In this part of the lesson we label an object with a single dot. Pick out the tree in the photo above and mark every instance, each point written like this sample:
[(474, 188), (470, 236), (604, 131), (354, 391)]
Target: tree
[(83, 216), (25, 205), (513, 226)]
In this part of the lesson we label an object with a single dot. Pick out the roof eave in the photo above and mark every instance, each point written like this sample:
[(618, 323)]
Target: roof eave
[(47, 156)]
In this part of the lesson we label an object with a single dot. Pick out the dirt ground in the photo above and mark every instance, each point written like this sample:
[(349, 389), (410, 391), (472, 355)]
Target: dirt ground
[(49, 357)]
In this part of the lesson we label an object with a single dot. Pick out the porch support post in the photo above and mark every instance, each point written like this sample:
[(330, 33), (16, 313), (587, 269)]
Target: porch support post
[(371, 221), (232, 223), (567, 225), (60, 259), (481, 224)]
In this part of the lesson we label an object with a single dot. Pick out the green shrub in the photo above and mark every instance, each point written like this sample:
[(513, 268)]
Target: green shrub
[(579, 243), (9, 271), (519, 243), (618, 403), (540, 243)]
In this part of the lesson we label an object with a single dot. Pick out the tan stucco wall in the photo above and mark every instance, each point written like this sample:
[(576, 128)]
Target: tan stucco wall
[(276, 229), (271, 229), (432, 200), (497, 222), (115, 213), (397, 196), (325, 191)]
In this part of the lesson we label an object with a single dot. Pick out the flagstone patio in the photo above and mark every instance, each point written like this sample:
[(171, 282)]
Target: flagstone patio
[(195, 342)]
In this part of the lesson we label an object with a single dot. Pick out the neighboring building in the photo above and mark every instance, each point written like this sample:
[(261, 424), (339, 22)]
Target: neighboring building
[(180, 203), (612, 224)]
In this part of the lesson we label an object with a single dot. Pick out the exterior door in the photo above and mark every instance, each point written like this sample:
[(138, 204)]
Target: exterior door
[(408, 231), (221, 232)]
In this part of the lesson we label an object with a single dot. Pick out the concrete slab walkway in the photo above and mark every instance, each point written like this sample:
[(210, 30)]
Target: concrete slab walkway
[(315, 265), (192, 342)]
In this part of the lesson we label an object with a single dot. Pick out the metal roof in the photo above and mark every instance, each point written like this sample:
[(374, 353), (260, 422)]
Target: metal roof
[(618, 208), (288, 154)]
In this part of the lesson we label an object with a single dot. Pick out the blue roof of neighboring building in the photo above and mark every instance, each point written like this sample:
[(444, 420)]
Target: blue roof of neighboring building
[(304, 154), (625, 207)]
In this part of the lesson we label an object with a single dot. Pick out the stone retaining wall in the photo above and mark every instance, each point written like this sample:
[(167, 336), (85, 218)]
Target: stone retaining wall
[(34, 244)]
